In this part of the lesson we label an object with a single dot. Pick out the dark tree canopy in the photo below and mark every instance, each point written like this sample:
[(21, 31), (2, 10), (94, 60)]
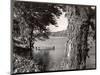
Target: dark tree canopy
[(30, 20)]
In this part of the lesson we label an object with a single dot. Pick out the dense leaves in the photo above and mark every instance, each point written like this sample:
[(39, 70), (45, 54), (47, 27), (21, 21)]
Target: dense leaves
[(30, 20), (81, 27)]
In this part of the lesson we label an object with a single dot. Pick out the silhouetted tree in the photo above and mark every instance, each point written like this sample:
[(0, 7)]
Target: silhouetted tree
[(30, 21)]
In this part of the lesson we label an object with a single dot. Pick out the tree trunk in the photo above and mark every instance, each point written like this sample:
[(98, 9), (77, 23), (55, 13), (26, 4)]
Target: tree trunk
[(31, 45)]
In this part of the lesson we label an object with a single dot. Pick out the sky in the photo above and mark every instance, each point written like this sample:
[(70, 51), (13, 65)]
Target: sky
[(62, 23)]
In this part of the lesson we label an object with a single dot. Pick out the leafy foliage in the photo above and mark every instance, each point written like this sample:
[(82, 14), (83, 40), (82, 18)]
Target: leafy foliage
[(81, 26), (30, 20)]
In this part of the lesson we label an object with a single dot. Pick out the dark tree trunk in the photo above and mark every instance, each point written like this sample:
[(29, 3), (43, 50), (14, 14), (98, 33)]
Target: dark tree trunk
[(31, 45), (83, 45)]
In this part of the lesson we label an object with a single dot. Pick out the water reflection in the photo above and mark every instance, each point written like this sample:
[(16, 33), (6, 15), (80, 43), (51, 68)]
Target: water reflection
[(51, 53)]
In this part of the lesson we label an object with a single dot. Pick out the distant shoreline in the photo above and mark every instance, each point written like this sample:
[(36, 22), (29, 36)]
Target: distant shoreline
[(57, 37)]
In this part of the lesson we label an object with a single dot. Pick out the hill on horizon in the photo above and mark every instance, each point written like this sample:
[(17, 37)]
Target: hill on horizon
[(62, 33)]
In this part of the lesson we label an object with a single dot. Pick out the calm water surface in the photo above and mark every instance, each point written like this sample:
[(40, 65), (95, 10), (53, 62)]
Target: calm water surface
[(56, 55)]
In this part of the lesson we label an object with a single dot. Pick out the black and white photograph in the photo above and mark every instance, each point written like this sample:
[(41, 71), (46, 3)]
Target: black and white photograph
[(52, 37)]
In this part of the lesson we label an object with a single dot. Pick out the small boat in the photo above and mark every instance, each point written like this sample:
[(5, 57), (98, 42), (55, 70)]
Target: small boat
[(45, 48)]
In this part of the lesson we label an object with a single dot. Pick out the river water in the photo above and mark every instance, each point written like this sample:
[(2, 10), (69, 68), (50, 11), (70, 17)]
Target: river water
[(57, 55)]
